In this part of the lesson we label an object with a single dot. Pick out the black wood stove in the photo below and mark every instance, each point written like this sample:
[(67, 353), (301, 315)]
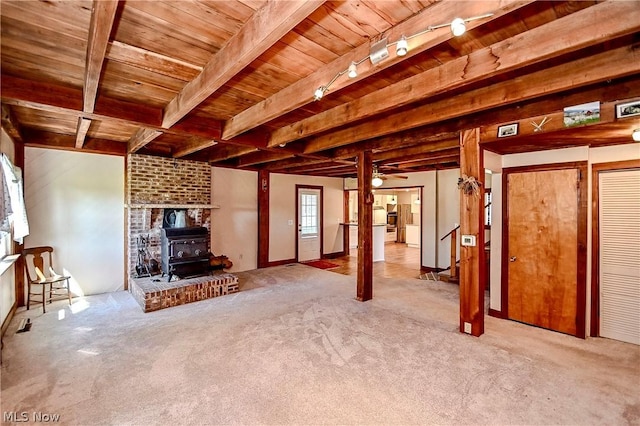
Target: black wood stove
[(184, 251)]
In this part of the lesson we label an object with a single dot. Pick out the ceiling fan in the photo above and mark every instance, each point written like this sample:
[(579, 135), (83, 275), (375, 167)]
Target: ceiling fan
[(378, 177)]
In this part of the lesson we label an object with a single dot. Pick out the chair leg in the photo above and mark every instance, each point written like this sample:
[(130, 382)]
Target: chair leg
[(28, 295), (44, 298)]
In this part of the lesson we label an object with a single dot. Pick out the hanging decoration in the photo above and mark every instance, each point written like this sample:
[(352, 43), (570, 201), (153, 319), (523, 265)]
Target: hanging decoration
[(469, 185)]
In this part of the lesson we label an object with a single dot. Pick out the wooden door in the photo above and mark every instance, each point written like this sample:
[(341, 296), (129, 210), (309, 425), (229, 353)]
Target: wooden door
[(542, 257)]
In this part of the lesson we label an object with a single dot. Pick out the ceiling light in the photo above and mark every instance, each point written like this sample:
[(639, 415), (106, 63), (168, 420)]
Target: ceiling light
[(378, 51), (636, 135), (402, 47), (376, 181), (458, 27), (319, 93), (353, 71)]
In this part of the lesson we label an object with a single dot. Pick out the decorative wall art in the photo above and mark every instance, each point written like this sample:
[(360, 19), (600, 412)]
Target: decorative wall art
[(628, 109), (582, 114), (508, 130)]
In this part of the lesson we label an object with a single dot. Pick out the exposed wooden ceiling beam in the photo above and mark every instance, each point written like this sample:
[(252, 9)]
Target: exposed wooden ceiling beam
[(411, 155), (410, 160), (102, 17), (10, 125), (611, 64), (142, 137), (587, 27), (266, 26), (225, 152), (193, 145), (301, 92), (41, 139), (81, 132)]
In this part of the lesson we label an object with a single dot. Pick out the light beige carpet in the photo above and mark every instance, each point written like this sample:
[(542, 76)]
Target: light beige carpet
[(295, 347)]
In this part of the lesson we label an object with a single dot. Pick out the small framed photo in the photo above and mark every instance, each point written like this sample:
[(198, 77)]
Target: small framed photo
[(628, 110), (508, 130)]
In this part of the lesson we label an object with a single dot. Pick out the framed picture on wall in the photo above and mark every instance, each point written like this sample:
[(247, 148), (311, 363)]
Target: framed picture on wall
[(508, 130), (628, 109)]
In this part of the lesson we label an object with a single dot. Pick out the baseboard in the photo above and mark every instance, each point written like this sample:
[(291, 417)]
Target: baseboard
[(430, 269), (495, 313), (7, 320), (333, 255), (281, 262)]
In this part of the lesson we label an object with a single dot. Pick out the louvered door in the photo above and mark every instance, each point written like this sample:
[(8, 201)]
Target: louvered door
[(619, 213)]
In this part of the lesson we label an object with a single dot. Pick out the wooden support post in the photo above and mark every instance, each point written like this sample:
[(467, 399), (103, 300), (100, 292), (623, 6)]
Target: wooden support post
[(365, 227), (345, 228), (472, 267), (454, 254), (263, 219)]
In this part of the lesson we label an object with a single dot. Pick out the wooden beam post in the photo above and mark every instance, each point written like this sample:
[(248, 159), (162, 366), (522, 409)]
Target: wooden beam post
[(263, 218), (472, 266), (346, 219), (365, 227)]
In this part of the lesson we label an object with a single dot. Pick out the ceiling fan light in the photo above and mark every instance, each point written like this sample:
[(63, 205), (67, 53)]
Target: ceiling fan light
[(402, 47), (353, 70), (376, 181), (458, 27), (636, 135)]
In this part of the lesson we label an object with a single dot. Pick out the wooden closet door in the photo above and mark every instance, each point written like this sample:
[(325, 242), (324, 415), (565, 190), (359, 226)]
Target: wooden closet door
[(542, 261)]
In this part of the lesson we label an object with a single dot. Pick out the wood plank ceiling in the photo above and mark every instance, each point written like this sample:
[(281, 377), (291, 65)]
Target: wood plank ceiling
[(232, 82)]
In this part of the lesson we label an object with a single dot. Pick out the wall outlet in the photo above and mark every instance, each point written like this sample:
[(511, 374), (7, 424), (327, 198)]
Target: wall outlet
[(467, 327)]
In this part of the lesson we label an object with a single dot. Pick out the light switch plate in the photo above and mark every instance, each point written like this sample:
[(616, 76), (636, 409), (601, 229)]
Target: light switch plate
[(467, 327), (290, 222), (468, 240)]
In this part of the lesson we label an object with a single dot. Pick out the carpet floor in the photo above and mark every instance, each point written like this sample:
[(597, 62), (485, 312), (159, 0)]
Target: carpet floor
[(295, 347)]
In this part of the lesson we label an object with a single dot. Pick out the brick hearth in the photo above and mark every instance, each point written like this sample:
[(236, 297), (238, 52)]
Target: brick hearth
[(154, 293)]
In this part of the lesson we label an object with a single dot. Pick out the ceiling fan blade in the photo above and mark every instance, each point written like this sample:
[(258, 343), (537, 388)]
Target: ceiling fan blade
[(398, 176)]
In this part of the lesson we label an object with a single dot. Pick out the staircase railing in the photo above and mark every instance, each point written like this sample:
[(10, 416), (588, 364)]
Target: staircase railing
[(454, 251)]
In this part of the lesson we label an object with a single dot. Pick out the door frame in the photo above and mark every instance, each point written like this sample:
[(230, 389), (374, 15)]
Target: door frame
[(596, 169), (320, 216), (581, 273)]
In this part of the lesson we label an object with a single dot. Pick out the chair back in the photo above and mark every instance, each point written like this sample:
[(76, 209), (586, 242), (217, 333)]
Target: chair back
[(40, 257)]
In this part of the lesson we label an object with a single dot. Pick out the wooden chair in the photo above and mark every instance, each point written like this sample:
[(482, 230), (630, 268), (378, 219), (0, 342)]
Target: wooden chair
[(38, 264)]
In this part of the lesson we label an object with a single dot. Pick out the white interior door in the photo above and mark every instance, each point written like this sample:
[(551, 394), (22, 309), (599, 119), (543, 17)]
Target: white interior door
[(619, 213), (309, 223)]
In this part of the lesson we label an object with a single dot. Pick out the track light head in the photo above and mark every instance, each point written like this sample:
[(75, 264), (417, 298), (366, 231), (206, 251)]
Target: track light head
[(636, 135), (353, 70), (319, 93), (458, 27), (402, 47)]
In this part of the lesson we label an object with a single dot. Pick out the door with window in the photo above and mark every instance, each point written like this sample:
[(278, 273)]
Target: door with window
[(309, 223)]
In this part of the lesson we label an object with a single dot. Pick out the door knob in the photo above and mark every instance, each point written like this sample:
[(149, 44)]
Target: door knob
[(512, 259)]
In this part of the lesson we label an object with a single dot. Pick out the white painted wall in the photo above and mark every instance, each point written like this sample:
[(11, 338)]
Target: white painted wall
[(75, 203), (448, 214), (282, 204), (234, 226)]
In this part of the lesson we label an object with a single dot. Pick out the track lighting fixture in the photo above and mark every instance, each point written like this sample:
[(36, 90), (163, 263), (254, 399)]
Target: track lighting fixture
[(402, 47), (636, 135), (353, 70), (458, 27), (379, 51)]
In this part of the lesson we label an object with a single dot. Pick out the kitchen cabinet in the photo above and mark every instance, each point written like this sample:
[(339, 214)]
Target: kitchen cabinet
[(413, 236)]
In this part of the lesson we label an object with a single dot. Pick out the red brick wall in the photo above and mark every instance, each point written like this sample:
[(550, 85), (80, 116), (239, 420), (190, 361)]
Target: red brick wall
[(152, 184)]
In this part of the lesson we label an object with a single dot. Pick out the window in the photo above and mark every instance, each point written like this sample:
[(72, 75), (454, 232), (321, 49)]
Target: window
[(487, 208), (309, 215)]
